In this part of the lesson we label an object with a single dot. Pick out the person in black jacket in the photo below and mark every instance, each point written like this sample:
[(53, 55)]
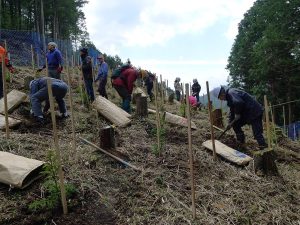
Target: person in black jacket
[(196, 88), (244, 109), (87, 72)]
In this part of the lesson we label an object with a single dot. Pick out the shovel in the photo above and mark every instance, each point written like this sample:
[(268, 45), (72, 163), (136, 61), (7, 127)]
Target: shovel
[(221, 135)]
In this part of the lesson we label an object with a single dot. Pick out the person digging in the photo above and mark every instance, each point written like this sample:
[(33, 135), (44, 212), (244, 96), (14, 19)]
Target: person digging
[(244, 109)]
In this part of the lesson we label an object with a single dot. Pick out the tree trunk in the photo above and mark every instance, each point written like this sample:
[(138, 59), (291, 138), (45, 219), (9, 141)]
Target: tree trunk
[(135, 96), (217, 118), (141, 106), (107, 138)]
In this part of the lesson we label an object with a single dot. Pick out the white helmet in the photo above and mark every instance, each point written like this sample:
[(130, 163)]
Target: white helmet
[(52, 44), (195, 80), (216, 91)]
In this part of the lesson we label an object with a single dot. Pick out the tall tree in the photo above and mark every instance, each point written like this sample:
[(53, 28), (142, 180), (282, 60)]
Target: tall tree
[(265, 56)]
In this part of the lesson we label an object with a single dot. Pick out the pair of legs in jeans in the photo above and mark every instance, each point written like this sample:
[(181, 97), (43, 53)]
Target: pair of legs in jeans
[(126, 97), (89, 89)]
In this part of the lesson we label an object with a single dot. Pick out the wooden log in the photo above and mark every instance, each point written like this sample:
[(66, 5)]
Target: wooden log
[(107, 137), (139, 90), (111, 112), (14, 99), (228, 153), (178, 120), (217, 118), (11, 122), (265, 160), (135, 96), (142, 107), (152, 111)]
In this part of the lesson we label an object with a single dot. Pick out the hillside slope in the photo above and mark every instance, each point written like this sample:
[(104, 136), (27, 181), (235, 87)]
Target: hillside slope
[(109, 193)]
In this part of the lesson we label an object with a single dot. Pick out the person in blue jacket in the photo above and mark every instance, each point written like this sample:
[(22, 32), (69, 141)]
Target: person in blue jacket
[(54, 60), (102, 76), (39, 94), (244, 109)]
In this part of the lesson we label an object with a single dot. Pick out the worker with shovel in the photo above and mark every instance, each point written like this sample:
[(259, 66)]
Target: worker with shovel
[(244, 109)]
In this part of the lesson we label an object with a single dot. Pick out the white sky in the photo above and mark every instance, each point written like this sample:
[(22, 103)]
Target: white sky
[(187, 39)]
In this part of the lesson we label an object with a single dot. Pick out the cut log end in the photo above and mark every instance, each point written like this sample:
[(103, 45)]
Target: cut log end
[(264, 161)]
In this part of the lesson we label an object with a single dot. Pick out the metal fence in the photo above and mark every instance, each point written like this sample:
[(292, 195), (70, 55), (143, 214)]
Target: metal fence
[(21, 45)]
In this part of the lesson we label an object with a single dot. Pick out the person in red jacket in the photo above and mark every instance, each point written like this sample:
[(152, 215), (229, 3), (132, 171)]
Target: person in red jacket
[(124, 86), (3, 57)]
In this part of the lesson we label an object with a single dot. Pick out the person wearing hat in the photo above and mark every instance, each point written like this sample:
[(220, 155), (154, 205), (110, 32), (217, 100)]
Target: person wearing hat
[(87, 73), (196, 88), (39, 93), (4, 58), (244, 109), (102, 76), (177, 88), (54, 60)]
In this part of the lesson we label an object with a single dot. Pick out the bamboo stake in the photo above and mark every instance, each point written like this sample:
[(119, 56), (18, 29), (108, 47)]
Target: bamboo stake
[(56, 145), (161, 90), (6, 50), (267, 121), (72, 108), (273, 123), (157, 115), (32, 59), (111, 155), (5, 98), (212, 134), (191, 155), (284, 124)]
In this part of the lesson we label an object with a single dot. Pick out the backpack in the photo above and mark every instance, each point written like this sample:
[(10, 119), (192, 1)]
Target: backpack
[(117, 72)]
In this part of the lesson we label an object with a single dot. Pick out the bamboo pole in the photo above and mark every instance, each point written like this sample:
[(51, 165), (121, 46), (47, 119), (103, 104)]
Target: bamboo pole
[(191, 155), (212, 134), (285, 103), (158, 126), (161, 90), (5, 99), (273, 123), (284, 123), (56, 145), (32, 59), (71, 107), (267, 121), (111, 155)]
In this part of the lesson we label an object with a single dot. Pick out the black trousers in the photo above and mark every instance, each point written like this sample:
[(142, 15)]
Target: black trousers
[(257, 129)]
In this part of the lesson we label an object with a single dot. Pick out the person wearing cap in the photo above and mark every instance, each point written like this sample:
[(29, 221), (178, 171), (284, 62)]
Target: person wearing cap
[(87, 73), (39, 93), (124, 85), (54, 60), (244, 109), (177, 88), (196, 88), (4, 58), (102, 76)]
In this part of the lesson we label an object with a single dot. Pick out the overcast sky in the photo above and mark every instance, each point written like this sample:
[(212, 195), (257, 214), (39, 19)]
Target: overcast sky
[(187, 39)]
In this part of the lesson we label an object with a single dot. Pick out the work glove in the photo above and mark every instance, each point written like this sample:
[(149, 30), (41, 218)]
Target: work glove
[(59, 69)]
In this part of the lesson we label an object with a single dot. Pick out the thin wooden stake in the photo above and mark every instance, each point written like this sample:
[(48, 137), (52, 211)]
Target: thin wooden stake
[(212, 134), (273, 123), (5, 98), (191, 154), (158, 127), (32, 60), (284, 123), (267, 121), (56, 145), (111, 155), (72, 108)]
